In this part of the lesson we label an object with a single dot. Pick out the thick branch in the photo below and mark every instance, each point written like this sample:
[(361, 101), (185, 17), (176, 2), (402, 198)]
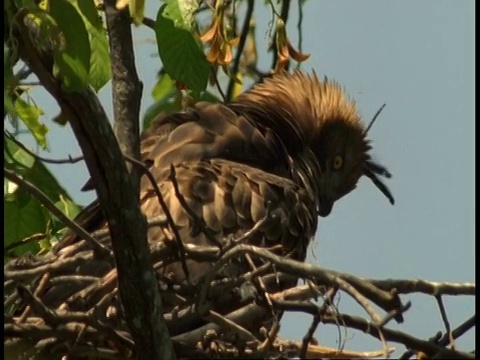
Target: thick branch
[(126, 87), (151, 337)]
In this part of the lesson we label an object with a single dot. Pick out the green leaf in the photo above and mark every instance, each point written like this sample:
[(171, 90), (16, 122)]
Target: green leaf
[(9, 189), (208, 97), (181, 12), (70, 71), (164, 86), (100, 71), (32, 170), (56, 228), (30, 115), (23, 217), (69, 208), (165, 105), (16, 158), (181, 55), (8, 103), (169, 104), (72, 61)]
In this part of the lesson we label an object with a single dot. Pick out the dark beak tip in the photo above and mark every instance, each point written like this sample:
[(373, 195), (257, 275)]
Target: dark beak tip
[(325, 209)]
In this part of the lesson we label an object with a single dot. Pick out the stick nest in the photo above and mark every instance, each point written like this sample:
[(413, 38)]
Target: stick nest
[(52, 307)]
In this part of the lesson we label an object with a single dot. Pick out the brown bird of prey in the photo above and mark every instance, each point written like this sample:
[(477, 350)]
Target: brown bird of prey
[(274, 159)]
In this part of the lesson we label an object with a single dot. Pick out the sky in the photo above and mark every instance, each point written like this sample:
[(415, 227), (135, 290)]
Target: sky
[(418, 58)]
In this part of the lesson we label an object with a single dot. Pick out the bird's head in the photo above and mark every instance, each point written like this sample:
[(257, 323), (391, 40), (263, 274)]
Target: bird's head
[(316, 116)]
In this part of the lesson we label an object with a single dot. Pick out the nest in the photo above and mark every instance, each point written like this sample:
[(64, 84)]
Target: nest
[(55, 307)]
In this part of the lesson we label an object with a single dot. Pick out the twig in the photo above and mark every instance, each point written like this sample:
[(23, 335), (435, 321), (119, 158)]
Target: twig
[(73, 279), (425, 287), (166, 211), (296, 305), (446, 323), (396, 336), (459, 330), (243, 333), (70, 160), (323, 352), (381, 336), (49, 267), (217, 84), (68, 331), (41, 285), (444, 340), (94, 352), (383, 299), (316, 320), (261, 288), (253, 230), (360, 299), (271, 336), (40, 195), (149, 22), (195, 218), (27, 240), (37, 305), (241, 45), (307, 339), (299, 28), (394, 313), (104, 234)]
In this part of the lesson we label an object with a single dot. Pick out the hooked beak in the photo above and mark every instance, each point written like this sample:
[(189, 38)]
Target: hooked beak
[(325, 207)]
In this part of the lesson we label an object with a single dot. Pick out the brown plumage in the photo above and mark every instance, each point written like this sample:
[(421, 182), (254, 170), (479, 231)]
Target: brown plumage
[(286, 151)]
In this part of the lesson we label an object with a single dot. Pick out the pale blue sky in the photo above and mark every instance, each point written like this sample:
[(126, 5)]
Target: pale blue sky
[(418, 57)]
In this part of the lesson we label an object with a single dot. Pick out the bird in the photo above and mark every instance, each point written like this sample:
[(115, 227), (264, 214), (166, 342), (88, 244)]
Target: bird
[(276, 158)]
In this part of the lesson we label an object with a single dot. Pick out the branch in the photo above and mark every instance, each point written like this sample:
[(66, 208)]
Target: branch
[(70, 160), (241, 45), (429, 348), (385, 300), (126, 87), (426, 287)]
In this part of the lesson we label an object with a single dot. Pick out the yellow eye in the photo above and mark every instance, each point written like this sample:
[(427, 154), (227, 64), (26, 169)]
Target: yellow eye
[(337, 162)]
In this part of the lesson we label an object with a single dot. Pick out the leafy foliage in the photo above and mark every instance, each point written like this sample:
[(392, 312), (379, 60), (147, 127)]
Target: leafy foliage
[(180, 53), (24, 214)]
